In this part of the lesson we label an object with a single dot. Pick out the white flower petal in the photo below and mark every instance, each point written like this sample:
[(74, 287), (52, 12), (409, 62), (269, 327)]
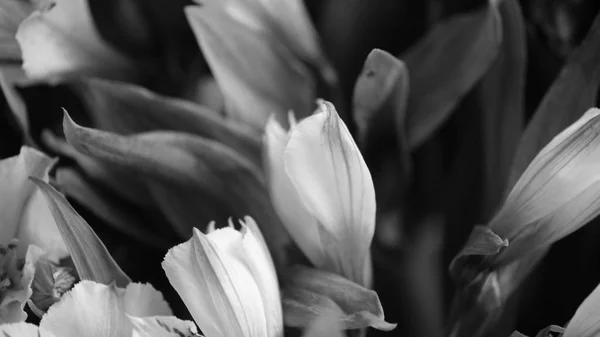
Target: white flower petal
[(89, 309), (301, 224), (557, 194), (261, 266), (23, 330), (294, 23), (244, 293), (586, 322), (142, 300), (218, 289), (63, 40), (39, 228), (15, 188), (334, 183), (162, 326)]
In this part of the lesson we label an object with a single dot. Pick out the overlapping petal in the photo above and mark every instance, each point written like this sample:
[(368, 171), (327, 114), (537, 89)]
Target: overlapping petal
[(330, 207), (24, 213), (98, 310), (227, 280), (62, 40)]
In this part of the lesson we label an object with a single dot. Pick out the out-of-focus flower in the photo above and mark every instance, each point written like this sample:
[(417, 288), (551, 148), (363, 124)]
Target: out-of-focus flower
[(12, 13), (261, 53), (227, 280), (558, 193), (322, 190), (27, 230), (99, 310), (61, 40)]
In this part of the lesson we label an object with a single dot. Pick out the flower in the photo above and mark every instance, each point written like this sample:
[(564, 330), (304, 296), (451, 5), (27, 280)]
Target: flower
[(557, 194), (227, 280), (66, 36), (323, 191), (98, 310), (27, 230)]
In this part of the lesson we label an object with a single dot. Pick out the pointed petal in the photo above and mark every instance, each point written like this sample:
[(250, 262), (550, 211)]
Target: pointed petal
[(294, 23), (558, 192), (90, 256), (162, 326), (260, 264), (142, 300), (217, 288), (16, 189), (258, 75), (62, 40), (73, 316), (23, 330), (334, 183), (300, 223), (585, 322)]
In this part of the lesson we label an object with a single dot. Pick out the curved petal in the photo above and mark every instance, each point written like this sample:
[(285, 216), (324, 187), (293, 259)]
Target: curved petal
[(261, 266), (294, 23), (334, 183), (23, 330), (142, 300), (301, 224), (90, 309), (558, 193), (218, 289), (39, 228), (62, 40), (15, 187)]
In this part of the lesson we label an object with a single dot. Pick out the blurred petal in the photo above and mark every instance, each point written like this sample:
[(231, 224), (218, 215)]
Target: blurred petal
[(23, 330), (16, 188), (127, 109), (90, 256), (89, 309), (257, 74), (301, 224), (97, 310), (12, 13), (162, 326), (585, 322), (324, 326), (468, 44), (39, 228), (63, 40), (334, 183), (309, 293), (294, 23)]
